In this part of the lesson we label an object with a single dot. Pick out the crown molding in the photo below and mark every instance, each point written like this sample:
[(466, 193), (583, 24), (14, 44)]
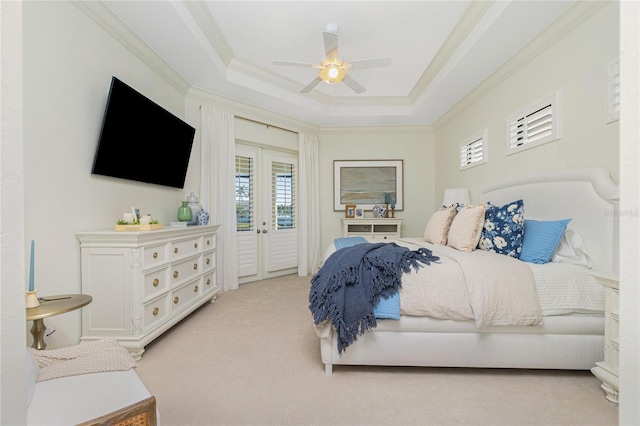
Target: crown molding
[(251, 112), (110, 23), (562, 26), (351, 130), (472, 16)]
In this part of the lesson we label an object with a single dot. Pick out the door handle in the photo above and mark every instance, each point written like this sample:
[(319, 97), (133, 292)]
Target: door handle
[(258, 231), (264, 231)]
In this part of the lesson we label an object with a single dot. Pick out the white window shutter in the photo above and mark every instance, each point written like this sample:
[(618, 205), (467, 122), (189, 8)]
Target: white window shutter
[(613, 91), (473, 151), (534, 126)]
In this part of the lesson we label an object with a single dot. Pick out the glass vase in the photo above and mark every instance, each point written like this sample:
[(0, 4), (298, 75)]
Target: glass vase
[(184, 212)]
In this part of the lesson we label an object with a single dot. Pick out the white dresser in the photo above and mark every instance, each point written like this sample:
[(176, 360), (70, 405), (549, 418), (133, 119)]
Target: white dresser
[(373, 228), (144, 282), (607, 370)]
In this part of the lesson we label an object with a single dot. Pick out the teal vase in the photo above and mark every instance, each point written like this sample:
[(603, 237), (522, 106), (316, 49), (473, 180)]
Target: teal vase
[(184, 212)]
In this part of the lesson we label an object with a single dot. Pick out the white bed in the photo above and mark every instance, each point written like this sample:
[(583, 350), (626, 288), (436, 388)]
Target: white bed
[(569, 341)]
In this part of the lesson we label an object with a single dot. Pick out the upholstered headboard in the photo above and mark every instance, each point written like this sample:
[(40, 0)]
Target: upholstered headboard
[(587, 196)]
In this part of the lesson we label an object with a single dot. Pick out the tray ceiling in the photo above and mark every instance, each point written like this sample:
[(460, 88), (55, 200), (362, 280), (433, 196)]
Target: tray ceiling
[(440, 51)]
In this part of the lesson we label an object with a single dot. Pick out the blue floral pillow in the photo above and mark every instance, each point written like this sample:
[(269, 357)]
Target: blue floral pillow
[(503, 230)]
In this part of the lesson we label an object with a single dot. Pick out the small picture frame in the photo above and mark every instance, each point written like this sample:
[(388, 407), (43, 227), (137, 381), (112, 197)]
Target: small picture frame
[(350, 211), (359, 212)]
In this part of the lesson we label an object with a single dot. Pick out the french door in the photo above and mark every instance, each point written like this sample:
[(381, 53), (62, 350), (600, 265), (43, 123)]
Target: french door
[(266, 213)]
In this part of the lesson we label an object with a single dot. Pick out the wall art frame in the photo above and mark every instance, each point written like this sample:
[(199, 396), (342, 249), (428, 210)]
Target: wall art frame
[(366, 182)]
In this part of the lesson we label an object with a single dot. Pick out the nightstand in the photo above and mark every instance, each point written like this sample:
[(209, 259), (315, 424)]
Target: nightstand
[(607, 370)]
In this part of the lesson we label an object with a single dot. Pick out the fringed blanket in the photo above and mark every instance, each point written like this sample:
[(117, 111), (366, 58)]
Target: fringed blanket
[(85, 358), (353, 279)]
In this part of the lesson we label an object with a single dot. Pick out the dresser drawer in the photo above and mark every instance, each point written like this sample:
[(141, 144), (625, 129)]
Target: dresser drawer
[(209, 261), (209, 242), (209, 283), (184, 271), (155, 311), (154, 255), (185, 248), (182, 296), (156, 282)]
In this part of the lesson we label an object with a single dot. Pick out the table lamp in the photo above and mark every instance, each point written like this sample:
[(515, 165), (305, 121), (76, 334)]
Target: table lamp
[(456, 195)]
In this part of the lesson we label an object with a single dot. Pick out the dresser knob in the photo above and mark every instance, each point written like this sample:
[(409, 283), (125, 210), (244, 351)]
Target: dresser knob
[(155, 311), (176, 300), (208, 281), (208, 242), (195, 266), (195, 245), (156, 282), (175, 250), (195, 289), (208, 261), (175, 274), (155, 254)]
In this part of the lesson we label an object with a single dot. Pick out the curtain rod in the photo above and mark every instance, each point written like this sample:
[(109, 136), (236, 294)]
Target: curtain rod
[(259, 122)]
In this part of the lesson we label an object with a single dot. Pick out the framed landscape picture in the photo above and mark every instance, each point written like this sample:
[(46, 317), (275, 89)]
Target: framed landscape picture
[(367, 183)]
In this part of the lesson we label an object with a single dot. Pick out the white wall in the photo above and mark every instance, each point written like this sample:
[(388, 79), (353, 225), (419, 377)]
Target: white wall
[(68, 65), (629, 216), (13, 386), (413, 145), (575, 65)]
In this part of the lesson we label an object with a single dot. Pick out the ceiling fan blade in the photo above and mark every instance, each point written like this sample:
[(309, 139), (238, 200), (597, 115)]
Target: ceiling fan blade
[(311, 85), (331, 45), (296, 64), (353, 85), (368, 63)]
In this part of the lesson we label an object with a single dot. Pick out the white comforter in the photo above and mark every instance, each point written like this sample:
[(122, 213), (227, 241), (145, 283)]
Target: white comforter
[(481, 286), (492, 289)]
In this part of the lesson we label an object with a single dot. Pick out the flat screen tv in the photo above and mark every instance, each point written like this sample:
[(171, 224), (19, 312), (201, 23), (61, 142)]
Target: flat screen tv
[(142, 141)]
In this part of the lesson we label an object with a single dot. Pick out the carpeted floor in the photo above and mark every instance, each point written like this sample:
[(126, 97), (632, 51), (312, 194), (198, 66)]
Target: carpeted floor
[(252, 358)]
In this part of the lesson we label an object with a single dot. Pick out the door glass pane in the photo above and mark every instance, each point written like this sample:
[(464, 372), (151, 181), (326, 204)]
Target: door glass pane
[(244, 193), (283, 195)]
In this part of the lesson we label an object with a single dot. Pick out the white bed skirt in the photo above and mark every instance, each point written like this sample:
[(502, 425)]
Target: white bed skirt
[(563, 342)]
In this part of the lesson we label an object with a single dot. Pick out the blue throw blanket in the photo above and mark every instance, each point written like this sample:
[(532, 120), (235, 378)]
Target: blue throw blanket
[(353, 279), (387, 307)]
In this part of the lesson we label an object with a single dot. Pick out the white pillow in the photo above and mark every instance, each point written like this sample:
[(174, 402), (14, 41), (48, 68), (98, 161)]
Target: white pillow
[(466, 229), (572, 250), (438, 225)]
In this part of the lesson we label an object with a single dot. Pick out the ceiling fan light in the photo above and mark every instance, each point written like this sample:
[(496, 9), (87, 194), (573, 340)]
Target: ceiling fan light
[(332, 74)]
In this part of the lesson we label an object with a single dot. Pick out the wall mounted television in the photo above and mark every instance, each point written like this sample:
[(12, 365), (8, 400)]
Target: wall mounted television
[(141, 141)]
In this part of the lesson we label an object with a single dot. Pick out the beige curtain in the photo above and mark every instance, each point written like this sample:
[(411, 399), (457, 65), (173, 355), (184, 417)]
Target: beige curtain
[(217, 183), (309, 254)]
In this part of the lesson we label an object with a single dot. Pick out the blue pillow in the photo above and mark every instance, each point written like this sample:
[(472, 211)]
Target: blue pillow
[(503, 229), (541, 238)]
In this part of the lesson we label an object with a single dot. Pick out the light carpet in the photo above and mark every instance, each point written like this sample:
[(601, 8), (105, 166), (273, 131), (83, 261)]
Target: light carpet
[(252, 358)]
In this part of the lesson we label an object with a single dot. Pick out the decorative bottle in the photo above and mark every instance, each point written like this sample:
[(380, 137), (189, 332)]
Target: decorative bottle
[(194, 206), (184, 212)]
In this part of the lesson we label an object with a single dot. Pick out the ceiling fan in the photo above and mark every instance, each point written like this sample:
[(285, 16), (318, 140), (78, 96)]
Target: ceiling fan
[(333, 70)]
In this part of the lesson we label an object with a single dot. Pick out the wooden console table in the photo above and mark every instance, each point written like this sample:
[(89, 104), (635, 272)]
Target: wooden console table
[(50, 306), (372, 228)]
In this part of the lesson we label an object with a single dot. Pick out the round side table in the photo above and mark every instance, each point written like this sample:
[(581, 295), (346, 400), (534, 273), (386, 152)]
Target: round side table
[(50, 306)]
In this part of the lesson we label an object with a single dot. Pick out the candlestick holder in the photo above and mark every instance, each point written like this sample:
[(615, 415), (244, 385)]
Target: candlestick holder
[(32, 299), (393, 212), (386, 212)]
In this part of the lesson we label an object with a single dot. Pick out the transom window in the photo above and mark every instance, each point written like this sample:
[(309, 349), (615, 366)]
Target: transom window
[(473, 151), (535, 125)]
